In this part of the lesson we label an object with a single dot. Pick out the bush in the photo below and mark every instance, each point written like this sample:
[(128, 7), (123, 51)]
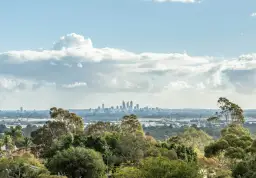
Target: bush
[(78, 162)]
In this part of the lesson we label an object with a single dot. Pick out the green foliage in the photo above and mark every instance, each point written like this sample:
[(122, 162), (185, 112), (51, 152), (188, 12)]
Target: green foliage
[(170, 154), (48, 133), (73, 123), (127, 172), (161, 167), (131, 147), (131, 124), (64, 123), (183, 152), (100, 128), (8, 143), (78, 162), (193, 137), (215, 148), (235, 141), (15, 135), (50, 176), (24, 166), (245, 169)]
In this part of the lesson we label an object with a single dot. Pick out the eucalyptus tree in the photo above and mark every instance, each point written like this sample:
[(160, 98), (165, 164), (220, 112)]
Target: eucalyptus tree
[(232, 112)]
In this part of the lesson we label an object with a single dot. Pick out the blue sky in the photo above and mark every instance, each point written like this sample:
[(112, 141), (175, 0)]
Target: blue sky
[(166, 54), (212, 27)]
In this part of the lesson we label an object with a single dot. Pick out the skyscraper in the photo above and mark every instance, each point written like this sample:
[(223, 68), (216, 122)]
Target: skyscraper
[(131, 105), (127, 105), (103, 107), (137, 106), (123, 105)]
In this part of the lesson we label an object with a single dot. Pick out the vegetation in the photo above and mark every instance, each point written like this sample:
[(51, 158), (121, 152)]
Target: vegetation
[(63, 148)]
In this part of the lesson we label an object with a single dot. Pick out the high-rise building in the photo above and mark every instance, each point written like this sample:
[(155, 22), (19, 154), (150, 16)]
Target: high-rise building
[(21, 109), (131, 105), (103, 106), (137, 106), (127, 105), (123, 103)]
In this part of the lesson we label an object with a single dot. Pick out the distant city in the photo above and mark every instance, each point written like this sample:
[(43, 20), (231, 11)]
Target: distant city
[(125, 107), (148, 116), (128, 106)]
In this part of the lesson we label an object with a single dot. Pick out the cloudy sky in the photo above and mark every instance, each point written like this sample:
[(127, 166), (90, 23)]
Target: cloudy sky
[(166, 53)]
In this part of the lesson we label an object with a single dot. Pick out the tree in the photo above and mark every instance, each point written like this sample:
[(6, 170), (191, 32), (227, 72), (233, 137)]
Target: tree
[(78, 162), (50, 131), (27, 143), (45, 136), (192, 137), (15, 132), (183, 152), (100, 128), (22, 166), (8, 143), (131, 147), (63, 123), (16, 135), (161, 167), (73, 123), (234, 143), (131, 124), (230, 111)]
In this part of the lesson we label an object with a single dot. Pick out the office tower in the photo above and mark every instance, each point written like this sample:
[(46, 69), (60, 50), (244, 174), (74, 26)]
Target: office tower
[(103, 107), (123, 105), (127, 105), (137, 106), (131, 105)]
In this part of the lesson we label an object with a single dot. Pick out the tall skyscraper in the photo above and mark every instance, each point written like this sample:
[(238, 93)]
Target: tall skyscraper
[(127, 105), (137, 106), (103, 106), (131, 105), (123, 103)]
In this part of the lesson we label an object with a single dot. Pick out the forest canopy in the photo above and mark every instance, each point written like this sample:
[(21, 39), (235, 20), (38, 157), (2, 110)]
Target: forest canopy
[(63, 148)]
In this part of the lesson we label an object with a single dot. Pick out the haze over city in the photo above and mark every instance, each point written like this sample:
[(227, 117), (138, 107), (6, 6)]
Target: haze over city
[(173, 54)]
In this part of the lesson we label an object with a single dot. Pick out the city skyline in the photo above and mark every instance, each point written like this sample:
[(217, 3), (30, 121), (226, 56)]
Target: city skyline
[(170, 54)]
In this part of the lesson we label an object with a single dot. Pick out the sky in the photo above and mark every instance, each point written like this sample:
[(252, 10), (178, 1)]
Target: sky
[(165, 53)]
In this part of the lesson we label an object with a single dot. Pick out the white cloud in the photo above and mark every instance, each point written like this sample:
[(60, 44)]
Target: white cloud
[(253, 14), (74, 85), (182, 1), (74, 73), (178, 85)]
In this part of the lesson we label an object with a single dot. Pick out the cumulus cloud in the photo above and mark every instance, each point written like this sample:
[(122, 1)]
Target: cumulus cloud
[(73, 68), (182, 1)]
